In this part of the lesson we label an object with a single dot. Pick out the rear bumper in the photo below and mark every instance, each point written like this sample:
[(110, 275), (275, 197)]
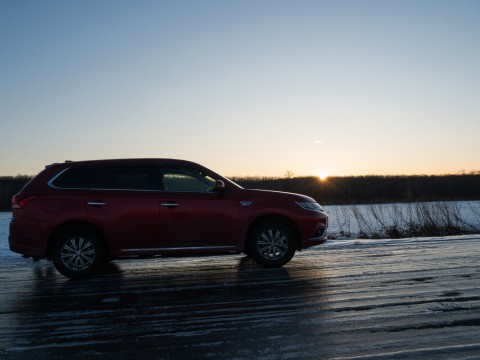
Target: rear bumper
[(27, 239)]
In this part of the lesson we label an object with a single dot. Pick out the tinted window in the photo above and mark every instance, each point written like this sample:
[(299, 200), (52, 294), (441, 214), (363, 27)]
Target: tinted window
[(127, 178), (187, 179), (73, 178)]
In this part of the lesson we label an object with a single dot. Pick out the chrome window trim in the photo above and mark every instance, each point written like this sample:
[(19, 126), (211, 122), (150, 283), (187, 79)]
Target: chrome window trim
[(189, 192), (50, 183), (159, 190), (107, 189)]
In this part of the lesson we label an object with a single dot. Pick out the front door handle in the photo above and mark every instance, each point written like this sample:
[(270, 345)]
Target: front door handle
[(96, 203), (170, 204)]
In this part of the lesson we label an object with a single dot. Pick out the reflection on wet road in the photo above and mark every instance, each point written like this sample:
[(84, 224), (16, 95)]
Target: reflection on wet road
[(351, 299)]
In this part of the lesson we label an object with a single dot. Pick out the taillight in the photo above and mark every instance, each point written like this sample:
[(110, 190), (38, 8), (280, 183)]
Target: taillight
[(19, 201)]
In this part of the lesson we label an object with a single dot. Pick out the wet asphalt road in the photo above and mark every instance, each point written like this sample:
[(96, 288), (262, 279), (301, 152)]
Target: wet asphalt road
[(394, 299)]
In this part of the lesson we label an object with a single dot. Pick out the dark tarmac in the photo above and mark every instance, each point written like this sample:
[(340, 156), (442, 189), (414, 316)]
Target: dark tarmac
[(388, 299)]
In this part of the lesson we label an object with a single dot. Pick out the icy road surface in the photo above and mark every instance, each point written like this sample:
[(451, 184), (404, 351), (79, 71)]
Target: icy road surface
[(347, 299)]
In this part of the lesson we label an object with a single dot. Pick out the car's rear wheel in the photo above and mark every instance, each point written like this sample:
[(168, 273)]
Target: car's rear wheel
[(271, 244), (78, 253)]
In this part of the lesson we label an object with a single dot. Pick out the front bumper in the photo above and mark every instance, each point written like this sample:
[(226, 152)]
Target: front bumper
[(318, 238)]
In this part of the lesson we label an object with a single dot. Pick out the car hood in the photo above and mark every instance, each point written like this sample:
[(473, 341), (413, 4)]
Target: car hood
[(270, 194)]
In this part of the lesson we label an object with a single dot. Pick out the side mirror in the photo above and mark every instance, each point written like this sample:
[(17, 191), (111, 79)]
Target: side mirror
[(220, 187)]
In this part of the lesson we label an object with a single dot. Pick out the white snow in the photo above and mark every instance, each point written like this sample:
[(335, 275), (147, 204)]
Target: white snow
[(344, 219), (5, 218)]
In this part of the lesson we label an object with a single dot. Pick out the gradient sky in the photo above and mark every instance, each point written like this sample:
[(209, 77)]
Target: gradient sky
[(248, 87)]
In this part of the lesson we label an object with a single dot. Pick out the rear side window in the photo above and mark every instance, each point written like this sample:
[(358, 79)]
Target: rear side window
[(127, 178), (72, 178)]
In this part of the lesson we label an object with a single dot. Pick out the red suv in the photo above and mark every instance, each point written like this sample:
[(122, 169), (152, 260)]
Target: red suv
[(83, 214)]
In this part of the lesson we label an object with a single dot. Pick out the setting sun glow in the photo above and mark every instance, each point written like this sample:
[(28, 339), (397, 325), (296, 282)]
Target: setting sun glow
[(322, 175)]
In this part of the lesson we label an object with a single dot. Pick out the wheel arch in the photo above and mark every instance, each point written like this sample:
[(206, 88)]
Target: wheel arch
[(75, 224), (272, 218)]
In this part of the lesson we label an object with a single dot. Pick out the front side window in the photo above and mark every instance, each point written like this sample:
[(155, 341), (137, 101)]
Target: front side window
[(186, 179)]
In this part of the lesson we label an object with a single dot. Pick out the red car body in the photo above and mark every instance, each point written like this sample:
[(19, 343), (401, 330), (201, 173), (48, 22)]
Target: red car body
[(154, 206)]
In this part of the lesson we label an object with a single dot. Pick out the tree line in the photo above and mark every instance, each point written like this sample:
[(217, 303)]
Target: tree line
[(337, 189), (9, 186), (373, 189)]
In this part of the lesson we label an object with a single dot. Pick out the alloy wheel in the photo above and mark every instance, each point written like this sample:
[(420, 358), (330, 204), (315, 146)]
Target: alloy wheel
[(78, 253), (272, 244)]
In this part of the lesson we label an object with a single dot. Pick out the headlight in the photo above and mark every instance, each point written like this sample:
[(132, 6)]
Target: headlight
[(310, 205)]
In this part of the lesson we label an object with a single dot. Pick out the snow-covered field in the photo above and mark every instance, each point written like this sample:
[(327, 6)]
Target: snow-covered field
[(4, 224), (347, 221)]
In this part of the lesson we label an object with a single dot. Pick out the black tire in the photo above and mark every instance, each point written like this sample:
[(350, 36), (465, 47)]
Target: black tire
[(78, 253), (271, 244)]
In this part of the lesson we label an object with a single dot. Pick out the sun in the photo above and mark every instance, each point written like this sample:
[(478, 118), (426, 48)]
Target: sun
[(322, 175)]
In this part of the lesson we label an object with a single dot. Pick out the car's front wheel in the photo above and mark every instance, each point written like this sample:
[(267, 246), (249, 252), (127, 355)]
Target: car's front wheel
[(78, 253), (271, 244)]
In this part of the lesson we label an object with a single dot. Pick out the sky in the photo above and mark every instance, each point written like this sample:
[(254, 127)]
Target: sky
[(244, 87)]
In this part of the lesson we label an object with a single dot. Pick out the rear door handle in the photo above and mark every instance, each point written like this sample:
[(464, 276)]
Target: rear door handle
[(170, 205), (96, 203)]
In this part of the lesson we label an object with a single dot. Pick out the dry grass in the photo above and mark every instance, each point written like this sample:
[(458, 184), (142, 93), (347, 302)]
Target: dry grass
[(404, 220)]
